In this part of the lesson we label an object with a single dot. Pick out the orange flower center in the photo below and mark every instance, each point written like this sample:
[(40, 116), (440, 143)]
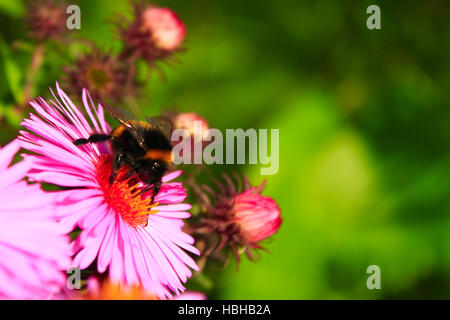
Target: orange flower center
[(124, 194), (112, 291)]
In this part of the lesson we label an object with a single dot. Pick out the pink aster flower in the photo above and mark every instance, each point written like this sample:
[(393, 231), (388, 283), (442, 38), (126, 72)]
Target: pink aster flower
[(33, 247), (191, 295), (139, 246)]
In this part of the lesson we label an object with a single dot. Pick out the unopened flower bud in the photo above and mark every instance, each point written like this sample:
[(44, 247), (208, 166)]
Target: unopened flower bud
[(258, 216), (105, 76), (240, 219)]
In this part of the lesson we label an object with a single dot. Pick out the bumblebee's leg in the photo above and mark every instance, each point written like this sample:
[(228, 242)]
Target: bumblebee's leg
[(99, 137), (156, 188), (112, 177), (117, 162), (80, 142), (95, 138), (147, 188)]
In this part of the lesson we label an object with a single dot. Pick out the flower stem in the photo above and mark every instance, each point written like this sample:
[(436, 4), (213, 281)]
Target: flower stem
[(36, 62)]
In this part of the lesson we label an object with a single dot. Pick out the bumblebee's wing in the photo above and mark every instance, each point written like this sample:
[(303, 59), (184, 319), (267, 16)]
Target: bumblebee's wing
[(127, 120), (162, 124), (120, 115)]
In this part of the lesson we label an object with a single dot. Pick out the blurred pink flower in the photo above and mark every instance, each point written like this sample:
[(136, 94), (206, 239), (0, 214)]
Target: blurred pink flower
[(33, 247), (46, 19), (139, 247), (154, 33), (166, 29), (191, 135), (188, 121)]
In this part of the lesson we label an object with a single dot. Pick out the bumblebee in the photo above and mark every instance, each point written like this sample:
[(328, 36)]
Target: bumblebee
[(143, 146)]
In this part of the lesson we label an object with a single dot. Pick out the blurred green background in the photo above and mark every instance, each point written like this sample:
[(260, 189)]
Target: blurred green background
[(364, 130)]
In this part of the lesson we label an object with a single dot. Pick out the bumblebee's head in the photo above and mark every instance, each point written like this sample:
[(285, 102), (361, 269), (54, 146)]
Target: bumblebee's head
[(156, 165), (155, 169)]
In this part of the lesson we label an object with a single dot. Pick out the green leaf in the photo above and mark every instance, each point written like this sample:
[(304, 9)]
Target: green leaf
[(9, 112)]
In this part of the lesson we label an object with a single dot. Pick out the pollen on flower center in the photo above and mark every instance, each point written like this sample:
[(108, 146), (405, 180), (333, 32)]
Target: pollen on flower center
[(123, 195)]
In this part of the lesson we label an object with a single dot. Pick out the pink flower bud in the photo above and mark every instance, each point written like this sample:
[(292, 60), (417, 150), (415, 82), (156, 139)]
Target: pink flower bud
[(153, 34), (258, 216), (166, 29), (240, 219)]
